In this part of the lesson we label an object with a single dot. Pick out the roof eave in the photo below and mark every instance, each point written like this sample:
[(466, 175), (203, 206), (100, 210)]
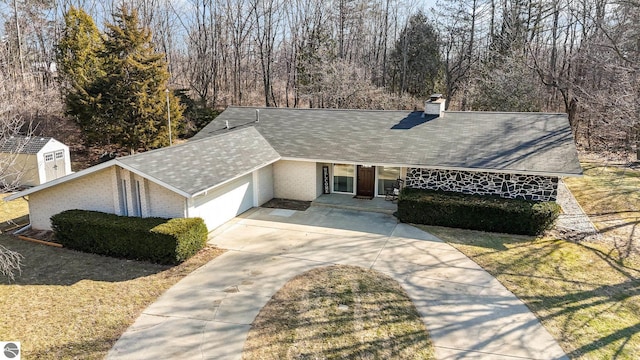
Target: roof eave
[(204, 191), (152, 179), (76, 175), (439, 167), (501, 171)]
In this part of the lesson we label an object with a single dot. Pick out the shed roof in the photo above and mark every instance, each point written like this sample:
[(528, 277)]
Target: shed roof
[(537, 143), (18, 144)]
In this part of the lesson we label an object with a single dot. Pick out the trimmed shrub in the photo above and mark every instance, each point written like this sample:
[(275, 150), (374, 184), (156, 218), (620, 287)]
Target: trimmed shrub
[(476, 212), (159, 240), (190, 235)]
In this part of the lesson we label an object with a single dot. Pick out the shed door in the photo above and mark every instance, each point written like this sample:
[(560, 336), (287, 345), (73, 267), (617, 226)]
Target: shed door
[(225, 203), (54, 165)]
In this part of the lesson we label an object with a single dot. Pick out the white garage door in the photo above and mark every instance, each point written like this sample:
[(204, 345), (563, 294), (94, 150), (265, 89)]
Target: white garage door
[(225, 203)]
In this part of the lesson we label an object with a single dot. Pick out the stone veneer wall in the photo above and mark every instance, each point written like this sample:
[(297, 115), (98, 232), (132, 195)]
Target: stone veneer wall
[(511, 186)]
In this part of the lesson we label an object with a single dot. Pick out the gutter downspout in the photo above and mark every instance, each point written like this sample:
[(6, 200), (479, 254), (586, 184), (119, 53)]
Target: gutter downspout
[(20, 231), (26, 227)]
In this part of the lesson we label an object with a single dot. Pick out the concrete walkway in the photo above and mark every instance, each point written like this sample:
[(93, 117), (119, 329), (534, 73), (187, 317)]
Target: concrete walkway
[(573, 220), (207, 315)]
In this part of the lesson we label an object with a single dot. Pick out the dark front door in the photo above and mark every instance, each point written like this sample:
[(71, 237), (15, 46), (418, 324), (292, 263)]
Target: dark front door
[(366, 180)]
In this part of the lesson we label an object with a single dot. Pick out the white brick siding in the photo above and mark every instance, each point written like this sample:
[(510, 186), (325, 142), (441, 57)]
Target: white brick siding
[(91, 192), (102, 191), (295, 180), (164, 202)]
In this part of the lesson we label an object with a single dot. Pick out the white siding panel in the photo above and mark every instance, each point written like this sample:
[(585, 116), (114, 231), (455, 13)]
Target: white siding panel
[(265, 185), (92, 192), (224, 203), (295, 180)]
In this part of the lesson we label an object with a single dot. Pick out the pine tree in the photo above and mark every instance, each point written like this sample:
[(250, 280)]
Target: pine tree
[(114, 84), (79, 67), (133, 90), (415, 59)]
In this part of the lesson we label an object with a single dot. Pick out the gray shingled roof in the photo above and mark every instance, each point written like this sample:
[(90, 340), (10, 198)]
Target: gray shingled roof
[(510, 142), (197, 166), (18, 144), (535, 143)]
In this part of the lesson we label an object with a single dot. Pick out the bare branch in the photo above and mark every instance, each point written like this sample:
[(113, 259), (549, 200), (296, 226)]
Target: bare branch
[(10, 263)]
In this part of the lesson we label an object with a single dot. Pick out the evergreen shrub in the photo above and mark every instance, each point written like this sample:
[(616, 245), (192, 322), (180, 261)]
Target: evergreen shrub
[(476, 212), (159, 240)]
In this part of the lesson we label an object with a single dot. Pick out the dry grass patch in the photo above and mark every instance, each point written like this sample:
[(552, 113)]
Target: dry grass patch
[(13, 213), (610, 195), (67, 304), (339, 312), (587, 300)]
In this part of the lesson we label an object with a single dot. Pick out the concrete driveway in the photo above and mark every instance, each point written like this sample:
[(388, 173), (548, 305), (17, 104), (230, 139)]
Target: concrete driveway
[(207, 315)]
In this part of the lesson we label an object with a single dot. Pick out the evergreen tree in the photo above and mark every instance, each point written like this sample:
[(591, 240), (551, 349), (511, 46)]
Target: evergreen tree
[(115, 83), (133, 90), (508, 85), (415, 59), (79, 67)]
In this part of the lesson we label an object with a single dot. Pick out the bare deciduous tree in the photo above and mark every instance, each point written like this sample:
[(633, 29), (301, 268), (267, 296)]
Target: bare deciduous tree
[(273, 52), (12, 169), (10, 262), (12, 142)]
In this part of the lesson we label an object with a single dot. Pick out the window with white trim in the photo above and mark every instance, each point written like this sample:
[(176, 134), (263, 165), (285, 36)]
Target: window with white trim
[(48, 157), (387, 177), (343, 176), (138, 199), (59, 154), (125, 205)]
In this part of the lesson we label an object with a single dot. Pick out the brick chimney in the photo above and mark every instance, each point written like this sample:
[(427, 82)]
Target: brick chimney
[(435, 105)]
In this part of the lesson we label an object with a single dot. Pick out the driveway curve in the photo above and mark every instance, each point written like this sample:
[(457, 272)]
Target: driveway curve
[(208, 314)]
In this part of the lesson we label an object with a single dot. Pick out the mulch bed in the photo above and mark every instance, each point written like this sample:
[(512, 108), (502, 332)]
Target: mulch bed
[(287, 204), (43, 235), (39, 236)]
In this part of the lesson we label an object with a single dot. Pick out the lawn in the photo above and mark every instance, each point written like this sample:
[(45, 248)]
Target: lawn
[(586, 294), (66, 304), (13, 213), (610, 195), (339, 312)]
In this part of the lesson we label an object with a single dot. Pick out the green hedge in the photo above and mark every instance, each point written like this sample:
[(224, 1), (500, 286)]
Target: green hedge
[(164, 241), (486, 213)]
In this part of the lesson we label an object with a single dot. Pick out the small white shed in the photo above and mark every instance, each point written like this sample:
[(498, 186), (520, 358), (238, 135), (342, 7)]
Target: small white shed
[(33, 160)]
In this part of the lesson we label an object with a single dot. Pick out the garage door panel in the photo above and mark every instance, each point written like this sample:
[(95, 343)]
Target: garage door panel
[(225, 203)]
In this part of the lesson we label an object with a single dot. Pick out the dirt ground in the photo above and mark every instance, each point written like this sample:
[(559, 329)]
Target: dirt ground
[(287, 204)]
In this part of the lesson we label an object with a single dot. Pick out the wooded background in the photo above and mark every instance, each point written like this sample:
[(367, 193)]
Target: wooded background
[(581, 57)]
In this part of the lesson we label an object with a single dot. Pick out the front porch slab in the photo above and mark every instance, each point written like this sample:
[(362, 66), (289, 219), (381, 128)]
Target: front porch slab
[(349, 202)]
